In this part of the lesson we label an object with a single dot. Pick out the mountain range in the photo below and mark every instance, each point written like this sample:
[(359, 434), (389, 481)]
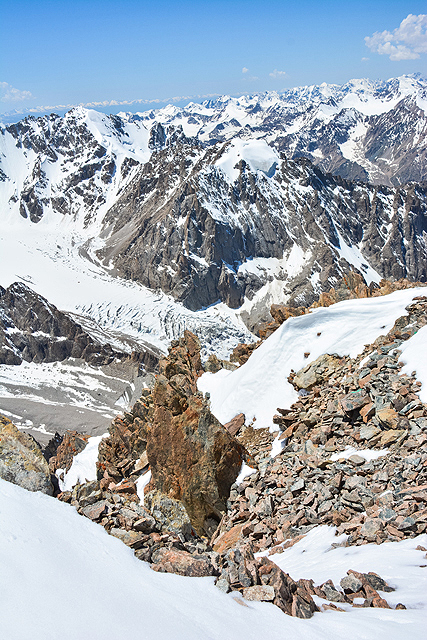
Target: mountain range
[(244, 201)]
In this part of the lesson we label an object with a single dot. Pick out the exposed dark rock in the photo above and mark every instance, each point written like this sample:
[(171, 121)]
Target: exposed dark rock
[(192, 457), (34, 330)]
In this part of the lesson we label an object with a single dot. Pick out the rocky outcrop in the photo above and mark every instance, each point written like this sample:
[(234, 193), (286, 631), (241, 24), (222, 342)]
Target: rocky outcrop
[(122, 456), (21, 459), (316, 371), (67, 446), (192, 457), (34, 330), (349, 287)]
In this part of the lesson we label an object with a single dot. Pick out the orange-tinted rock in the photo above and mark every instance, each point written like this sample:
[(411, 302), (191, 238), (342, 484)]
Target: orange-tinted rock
[(242, 352), (389, 418), (228, 539), (235, 424), (72, 444), (182, 563), (192, 457), (291, 597)]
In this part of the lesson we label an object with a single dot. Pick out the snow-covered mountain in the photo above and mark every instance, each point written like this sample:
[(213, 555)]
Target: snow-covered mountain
[(371, 131), (238, 222), (119, 218)]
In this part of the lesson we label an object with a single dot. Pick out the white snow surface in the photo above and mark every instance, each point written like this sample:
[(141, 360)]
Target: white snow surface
[(51, 258), (83, 468), (368, 454), (414, 355), (397, 562), (260, 386), (141, 483), (93, 586), (257, 153)]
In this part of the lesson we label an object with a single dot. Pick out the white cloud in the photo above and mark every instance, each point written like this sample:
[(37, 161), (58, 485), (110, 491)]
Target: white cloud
[(365, 59), (105, 103), (406, 42), (10, 94), (277, 74), (245, 70)]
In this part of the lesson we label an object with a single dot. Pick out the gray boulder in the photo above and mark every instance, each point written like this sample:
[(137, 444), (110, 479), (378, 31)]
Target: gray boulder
[(21, 459)]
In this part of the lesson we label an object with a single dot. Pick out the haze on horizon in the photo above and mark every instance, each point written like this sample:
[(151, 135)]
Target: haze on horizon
[(135, 55)]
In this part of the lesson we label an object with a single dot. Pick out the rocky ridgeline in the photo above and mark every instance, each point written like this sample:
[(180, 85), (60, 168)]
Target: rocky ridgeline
[(34, 330), (350, 287)]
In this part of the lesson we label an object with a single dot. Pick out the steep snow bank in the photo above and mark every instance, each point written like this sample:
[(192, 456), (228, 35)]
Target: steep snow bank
[(64, 576), (414, 355), (260, 386)]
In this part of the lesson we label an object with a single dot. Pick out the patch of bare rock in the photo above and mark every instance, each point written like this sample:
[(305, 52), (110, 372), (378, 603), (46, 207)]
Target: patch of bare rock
[(351, 286)]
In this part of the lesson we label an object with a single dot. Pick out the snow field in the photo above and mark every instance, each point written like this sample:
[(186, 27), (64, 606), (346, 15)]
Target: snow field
[(92, 586), (260, 386), (83, 468)]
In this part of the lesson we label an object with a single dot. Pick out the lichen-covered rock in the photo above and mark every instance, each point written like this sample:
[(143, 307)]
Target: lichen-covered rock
[(316, 371), (169, 513), (21, 459)]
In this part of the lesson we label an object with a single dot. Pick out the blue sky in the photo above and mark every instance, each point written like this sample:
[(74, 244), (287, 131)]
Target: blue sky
[(56, 53)]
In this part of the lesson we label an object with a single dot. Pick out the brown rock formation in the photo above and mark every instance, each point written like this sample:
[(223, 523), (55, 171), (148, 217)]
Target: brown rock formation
[(192, 457), (72, 443)]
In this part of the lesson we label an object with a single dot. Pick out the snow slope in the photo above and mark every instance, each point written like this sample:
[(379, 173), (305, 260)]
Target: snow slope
[(260, 386), (414, 352), (64, 576), (83, 468), (49, 257)]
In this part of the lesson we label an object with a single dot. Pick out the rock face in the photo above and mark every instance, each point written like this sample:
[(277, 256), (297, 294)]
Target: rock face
[(21, 459), (192, 457), (200, 234), (34, 330), (220, 215), (67, 447), (122, 456), (316, 371), (351, 286)]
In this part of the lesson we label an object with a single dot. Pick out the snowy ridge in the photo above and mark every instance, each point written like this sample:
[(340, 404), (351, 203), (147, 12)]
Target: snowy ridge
[(259, 386), (339, 127)]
